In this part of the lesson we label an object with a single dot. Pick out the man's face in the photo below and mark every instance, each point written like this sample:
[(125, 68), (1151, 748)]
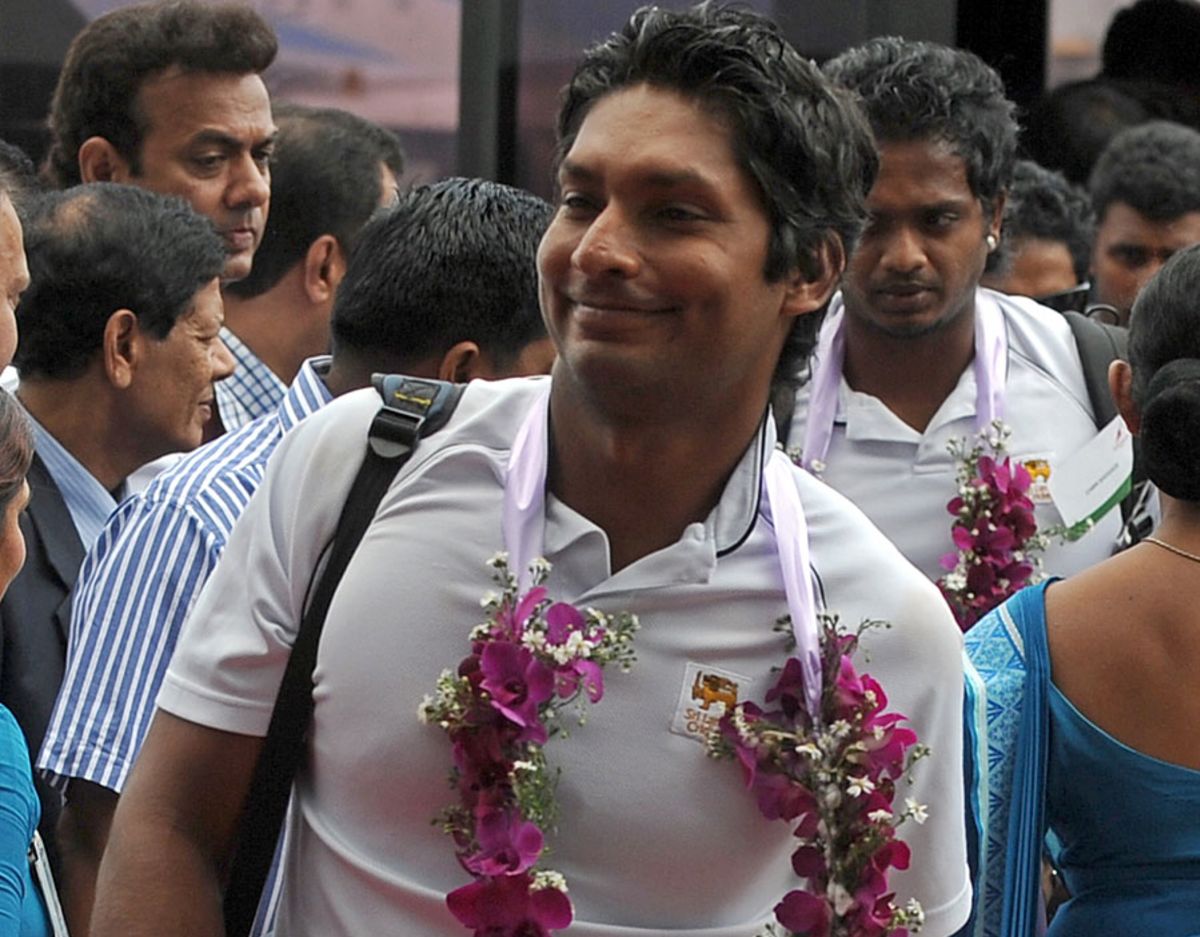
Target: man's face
[(652, 267), (922, 253), (14, 277), (1129, 249), (1038, 267), (208, 139), (171, 396)]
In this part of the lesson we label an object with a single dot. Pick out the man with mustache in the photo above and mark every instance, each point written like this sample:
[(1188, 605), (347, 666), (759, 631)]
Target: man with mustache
[(167, 96), (900, 368)]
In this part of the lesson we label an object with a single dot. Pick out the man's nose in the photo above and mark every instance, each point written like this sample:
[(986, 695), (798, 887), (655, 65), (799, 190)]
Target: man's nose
[(608, 246)]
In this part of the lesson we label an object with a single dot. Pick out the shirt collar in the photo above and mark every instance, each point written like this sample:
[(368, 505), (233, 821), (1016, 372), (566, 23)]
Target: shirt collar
[(88, 502), (308, 392), (252, 391)]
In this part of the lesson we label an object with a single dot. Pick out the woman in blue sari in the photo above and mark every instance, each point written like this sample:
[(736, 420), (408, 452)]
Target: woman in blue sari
[(1092, 744)]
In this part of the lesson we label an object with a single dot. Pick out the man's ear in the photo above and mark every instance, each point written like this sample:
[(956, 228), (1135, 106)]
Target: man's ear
[(122, 348), (1120, 385), (996, 221), (324, 267), (464, 362), (810, 286), (99, 161)]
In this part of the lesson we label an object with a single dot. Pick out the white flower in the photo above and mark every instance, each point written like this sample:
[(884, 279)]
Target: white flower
[(918, 812), (489, 599), (548, 879), (916, 914), (425, 710), (817, 466), (831, 797), (535, 641), (539, 567), (808, 749), (879, 816), (498, 559), (842, 900), (859, 786), (840, 729)]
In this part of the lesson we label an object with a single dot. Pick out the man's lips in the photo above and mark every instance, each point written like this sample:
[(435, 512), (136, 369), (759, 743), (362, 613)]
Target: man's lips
[(902, 289), (240, 239)]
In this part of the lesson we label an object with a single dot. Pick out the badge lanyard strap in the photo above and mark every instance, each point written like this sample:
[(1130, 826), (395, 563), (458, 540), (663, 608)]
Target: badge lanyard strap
[(990, 364), (523, 528)]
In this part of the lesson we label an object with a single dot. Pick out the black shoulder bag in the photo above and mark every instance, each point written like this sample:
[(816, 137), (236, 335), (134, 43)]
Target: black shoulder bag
[(412, 408)]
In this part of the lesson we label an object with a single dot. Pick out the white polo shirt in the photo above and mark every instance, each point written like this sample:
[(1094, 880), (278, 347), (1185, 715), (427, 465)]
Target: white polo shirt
[(903, 479), (655, 837)]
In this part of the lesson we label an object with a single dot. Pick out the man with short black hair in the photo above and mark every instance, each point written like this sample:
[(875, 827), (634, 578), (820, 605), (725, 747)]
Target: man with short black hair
[(118, 353), (443, 285), (913, 354), (710, 185), (168, 96), (1145, 192)]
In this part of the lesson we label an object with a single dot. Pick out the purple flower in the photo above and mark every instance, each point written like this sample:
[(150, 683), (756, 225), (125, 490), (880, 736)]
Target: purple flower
[(789, 689), (506, 906), (518, 684), (803, 914), (586, 672), (507, 844), (561, 620)]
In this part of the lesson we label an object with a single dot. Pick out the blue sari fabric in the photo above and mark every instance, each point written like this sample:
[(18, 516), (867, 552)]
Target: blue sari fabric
[(1125, 827)]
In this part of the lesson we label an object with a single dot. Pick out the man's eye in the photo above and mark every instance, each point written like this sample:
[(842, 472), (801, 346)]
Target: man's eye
[(1132, 257), (679, 213), (575, 204), (208, 161)]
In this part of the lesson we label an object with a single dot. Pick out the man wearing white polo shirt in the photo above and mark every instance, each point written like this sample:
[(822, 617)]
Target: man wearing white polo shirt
[(913, 353), (709, 184)]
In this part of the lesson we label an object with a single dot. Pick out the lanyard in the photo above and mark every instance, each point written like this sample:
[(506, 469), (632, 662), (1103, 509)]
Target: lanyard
[(523, 527), (991, 359)]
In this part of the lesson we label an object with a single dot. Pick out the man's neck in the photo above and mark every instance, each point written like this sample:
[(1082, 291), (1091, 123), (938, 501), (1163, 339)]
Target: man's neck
[(643, 482), (279, 326), (82, 423), (912, 376)]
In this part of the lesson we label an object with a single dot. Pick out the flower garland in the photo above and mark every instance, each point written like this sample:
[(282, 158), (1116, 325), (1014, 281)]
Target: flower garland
[(835, 779), (530, 661), (998, 546)]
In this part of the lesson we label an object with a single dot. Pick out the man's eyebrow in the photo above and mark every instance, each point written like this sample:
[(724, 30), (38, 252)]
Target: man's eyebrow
[(211, 137), (657, 178)]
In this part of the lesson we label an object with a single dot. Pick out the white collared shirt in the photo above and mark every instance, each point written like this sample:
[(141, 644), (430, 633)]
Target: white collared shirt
[(903, 479), (655, 837)]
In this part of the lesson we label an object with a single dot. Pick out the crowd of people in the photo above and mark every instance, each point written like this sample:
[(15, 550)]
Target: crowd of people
[(797, 348)]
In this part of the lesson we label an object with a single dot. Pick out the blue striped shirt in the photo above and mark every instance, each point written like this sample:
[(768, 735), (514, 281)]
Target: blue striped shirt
[(137, 585), (251, 392), (88, 502)]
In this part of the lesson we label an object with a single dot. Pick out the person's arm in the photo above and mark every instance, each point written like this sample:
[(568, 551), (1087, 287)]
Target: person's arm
[(18, 812), (174, 826), (83, 828)]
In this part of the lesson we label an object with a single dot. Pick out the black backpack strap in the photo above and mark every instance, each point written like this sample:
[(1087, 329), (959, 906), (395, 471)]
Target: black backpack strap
[(1099, 345), (412, 408)]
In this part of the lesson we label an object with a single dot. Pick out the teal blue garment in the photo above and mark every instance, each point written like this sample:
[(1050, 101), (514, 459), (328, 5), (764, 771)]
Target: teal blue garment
[(1129, 835), (22, 913), (1125, 827)]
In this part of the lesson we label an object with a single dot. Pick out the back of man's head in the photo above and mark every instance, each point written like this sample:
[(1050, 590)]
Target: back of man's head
[(922, 91), (326, 178), (99, 248), (110, 59), (453, 261), (18, 178), (1153, 168), (800, 140), (1154, 40)]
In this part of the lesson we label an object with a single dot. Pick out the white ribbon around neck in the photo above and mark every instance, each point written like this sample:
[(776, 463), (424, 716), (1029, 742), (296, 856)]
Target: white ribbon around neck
[(523, 529), (990, 364)]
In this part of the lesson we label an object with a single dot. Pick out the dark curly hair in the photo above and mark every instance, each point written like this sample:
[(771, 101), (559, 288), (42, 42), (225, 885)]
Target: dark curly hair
[(802, 141), (112, 57), (1154, 168), (1043, 204), (915, 90)]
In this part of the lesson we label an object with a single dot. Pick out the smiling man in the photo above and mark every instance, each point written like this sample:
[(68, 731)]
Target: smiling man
[(118, 353), (168, 96), (710, 184), (913, 353)]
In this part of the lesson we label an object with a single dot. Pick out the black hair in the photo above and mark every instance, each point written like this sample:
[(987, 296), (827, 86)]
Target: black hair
[(1042, 204), (1164, 353), (922, 91), (802, 141), (18, 178), (1068, 128), (452, 261), (113, 56), (98, 248), (1154, 40), (325, 179), (1153, 168), (16, 449)]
